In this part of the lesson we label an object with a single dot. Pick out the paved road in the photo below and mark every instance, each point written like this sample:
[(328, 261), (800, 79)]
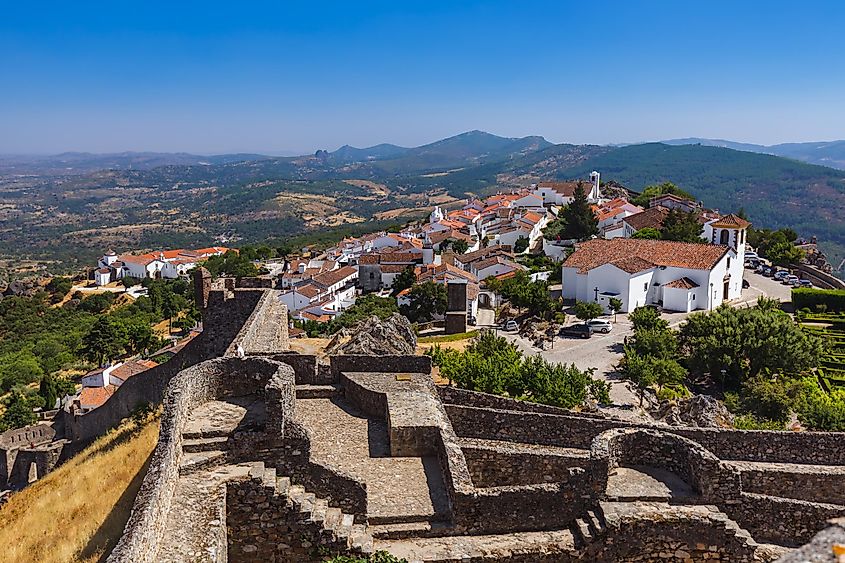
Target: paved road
[(603, 351)]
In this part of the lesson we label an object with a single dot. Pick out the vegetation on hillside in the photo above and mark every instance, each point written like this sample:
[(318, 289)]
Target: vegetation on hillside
[(78, 511), (491, 364)]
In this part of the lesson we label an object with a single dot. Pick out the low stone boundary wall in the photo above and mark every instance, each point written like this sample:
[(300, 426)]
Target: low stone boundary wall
[(814, 484), (191, 388), (576, 431), (500, 464), (783, 521), (388, 364), (819, 278), (715, 481), (265, 330), (305, 366)]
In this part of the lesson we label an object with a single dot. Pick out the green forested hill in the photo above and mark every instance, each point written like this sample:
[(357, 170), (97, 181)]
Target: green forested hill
[(774, 191)]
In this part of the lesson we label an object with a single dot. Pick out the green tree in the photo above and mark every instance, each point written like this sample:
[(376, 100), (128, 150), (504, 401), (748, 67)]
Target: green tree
[(405, 279), (139, 336), (615, 305), (47, 389), (460, 246), (784, 253), (639, 370), (19, 368), (738, 344), (232, 264), (587, 310), (18, 413), (644, 199), (647, 233), (647, 318), (105, 341), (576, 221), (521, 245), (58, 288), (425, 301), (681, 226)]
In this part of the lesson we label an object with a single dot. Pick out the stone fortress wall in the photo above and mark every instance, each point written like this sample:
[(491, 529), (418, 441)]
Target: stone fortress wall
[(537, 483)]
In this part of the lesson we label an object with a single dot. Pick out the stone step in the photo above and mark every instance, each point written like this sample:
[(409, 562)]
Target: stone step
[(404, 518), (205, 444), (360, 540), (317, 391), (283, 485), (202, 434), (197, 461), (318, 510), (406, 530), (333, 518)]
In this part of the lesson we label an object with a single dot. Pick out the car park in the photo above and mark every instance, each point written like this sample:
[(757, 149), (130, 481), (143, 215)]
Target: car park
[(806, 283), (580, 330), (600, 325), (780, 274), (788, 279), (750, 255), (768, 271)]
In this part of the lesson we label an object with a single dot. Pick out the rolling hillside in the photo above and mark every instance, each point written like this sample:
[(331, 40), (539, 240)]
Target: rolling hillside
[(72, 217), (823, 153)]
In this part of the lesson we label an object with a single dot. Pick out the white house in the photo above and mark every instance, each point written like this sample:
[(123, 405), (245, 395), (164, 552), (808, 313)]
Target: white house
[(562, 193), (322, 296), (102, 276), (680, 276)]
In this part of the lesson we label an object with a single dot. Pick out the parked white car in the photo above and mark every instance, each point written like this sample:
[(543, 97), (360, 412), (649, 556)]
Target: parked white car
[(600, 325), (511, 325)]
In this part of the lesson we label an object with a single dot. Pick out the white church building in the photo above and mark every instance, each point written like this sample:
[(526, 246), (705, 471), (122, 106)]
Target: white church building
[(679, 276)]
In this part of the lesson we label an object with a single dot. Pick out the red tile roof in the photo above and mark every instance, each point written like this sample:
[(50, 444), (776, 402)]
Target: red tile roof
[(630, 254), (652, 217), (93, 397), (334, 276), (682, 283), (731, 222), (566, 189), (130, 368)]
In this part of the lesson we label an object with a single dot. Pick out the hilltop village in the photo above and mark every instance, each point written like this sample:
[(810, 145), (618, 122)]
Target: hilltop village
[(656, 370)]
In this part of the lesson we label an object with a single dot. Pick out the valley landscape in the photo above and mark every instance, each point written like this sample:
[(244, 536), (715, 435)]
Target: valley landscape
[(253, 198)]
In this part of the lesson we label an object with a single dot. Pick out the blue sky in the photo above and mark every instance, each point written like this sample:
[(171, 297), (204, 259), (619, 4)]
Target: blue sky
[(277, 77)]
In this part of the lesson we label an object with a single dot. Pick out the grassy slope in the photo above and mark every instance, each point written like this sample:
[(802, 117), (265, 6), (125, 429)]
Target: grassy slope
[(78, 512)]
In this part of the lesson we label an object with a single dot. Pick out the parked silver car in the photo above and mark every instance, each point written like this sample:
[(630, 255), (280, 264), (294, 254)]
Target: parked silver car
[(600, 325)]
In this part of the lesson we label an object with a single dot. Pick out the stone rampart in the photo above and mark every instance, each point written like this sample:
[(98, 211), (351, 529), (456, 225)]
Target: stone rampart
[(494, 464), (712, 479), (576, 431), (305, 366), (190, 388), (265, 331), (811, 483), (386, 364), (783, 521)]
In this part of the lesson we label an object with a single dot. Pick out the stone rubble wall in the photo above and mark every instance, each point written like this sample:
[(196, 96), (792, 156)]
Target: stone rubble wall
[(820, 548), (305, 366), (673, 535), (265, 330), (576, 431), (387, 364), (263, 526), (14, 468), (814, 484), (190, 388), (712, 479), (783, 521), (498, 464)]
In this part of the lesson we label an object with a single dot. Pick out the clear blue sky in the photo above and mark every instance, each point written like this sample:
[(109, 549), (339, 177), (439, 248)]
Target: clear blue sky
[(211, 77)]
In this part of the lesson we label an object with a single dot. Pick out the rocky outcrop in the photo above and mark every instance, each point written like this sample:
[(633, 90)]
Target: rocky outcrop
[(702, 411), (375, 337)]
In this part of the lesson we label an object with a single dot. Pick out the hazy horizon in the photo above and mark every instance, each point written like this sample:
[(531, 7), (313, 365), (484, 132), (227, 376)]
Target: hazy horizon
[(290, 79)]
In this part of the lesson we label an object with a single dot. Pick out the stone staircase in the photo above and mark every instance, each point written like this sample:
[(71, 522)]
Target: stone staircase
[(318, 391), (588, 528), (201, 452), (335, 526)]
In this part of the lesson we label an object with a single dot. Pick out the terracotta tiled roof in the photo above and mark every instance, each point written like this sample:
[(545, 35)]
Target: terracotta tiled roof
[(308, 290), (681, 283), (731, 222), (487, 262), (402, 257), (652, 217), (498, 249), (334, 276), (393, 268), (622, 252), (368, 259), (104, 271), (93, 397), (214, 250), (130, 368), (427, 272)]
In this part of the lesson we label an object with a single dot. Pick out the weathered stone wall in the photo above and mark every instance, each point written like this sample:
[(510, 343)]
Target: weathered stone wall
[(263, 526), (673, 535), (265, 331), (398, 364), (12, 471), (783, 521), (576, 431), (714, 480), (190, 388), (501, 464), (811, 483), (820, 548), (305, 368)]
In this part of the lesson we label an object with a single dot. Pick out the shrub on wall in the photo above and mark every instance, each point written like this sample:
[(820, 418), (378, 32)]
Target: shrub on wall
[(832, 300)]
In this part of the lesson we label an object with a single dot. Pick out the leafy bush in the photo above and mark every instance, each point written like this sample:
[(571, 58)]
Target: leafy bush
[(832, 300), (491, 364), (751, 422)]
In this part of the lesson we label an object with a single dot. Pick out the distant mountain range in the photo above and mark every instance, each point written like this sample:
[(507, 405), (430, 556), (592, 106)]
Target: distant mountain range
[(168, 200), (823, 153)]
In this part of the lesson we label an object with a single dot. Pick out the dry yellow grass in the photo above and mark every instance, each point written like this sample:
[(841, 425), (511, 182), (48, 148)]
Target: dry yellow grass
[(78, 512)]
